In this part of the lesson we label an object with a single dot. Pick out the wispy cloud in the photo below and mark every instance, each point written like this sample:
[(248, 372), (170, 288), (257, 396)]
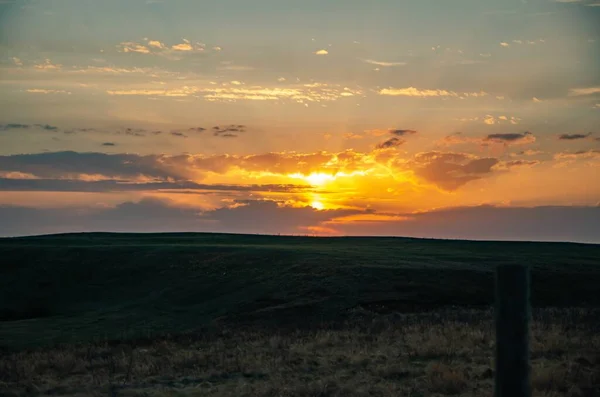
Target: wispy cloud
[(175, 92), (384, 63), (48, 65), (584, 91), (506, 139), (492, 120), (511, 138), (44, 91), (423, 93), (580, 154), (321, 52), (182, 47), (18, 126), (129, 46), (391, 143), (573, 137), (156, 44), (587, 3)]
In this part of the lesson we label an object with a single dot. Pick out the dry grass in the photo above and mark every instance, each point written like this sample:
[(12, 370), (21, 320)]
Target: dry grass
[(442, 353)]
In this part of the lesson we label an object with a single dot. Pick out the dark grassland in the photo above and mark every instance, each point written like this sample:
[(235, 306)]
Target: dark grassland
[(241, 315)]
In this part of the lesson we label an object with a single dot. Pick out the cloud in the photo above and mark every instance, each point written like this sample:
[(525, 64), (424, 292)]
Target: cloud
[(504, 44), (17, 61), (383, 63), (536, 100), (511, 138), (197, 129), (521, 163), (74, 165), (587, 3), (230, 131), (314, 92), (46, 127), (44, 91), (18, 126), (573, 223), (109, 144), (48, 65), (182, 47), (572, 137), (129, 46), (449, 171), (505, 139), (156, 44), (179, 134), (14, 126), (414, 92), (487, 222), (390, 143), (580, 154), (154, 215), (491, 120), (25, 183), (321, 52), (395, 141), (402, 132), (137, 132), (584, 91), (175, 92)]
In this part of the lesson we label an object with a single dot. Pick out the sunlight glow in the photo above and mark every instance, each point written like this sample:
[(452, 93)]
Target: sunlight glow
[(317, 205), (321, 178)]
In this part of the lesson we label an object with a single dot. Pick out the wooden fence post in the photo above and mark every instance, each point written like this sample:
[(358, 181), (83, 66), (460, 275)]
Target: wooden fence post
[(512, 331)]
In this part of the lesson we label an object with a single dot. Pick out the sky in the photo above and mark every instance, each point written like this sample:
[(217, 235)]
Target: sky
[(463, 119)]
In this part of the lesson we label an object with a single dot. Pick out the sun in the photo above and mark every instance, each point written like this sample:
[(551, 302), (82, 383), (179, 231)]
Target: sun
[(319, 178), (317, 205), (315, 178)]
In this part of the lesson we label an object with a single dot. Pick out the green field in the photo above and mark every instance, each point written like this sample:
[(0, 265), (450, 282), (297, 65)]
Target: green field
[(79, 287)]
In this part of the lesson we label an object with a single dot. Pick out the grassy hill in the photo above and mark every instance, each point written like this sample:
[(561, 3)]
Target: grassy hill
[(78, 287)]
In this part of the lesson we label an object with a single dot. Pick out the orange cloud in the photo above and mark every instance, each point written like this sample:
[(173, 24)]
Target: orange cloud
[(424, 93)]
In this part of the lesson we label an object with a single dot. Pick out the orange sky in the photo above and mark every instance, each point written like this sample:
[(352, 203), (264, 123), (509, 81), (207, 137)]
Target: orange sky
[(325, 119)]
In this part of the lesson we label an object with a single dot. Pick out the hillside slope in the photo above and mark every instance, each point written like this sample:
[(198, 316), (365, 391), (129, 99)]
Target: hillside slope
[(96, 285)]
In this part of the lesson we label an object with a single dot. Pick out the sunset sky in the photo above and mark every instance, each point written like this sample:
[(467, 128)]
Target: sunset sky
[(472, 119)]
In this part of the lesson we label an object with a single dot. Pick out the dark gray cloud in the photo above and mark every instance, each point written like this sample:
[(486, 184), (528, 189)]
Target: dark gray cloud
[(395, 141), (518, 163), (402, 132), (153, 215), (160, 167), (390, 143), (46, 127), (572, 137), (558, 223), (71, 185), (109, 144), (137, 132), (76, 130), (197, 129), (70, 164), (179, 134), (450, 171), (17, 126), (230, 131), (511, 137), (14, 126)]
